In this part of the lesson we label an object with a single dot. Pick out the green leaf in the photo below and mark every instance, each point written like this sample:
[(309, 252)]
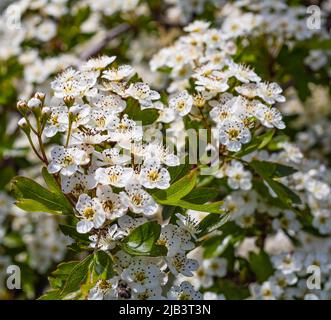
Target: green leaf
[(59, 276), (285, 194), (271, 169), (179, 172), (284, 171), (179, 195), (257, 143), (54, 187), (31, 196), (103, 264), (30, 205), (214, 207), (261, 265), (77, 276), (211, 222), (72, 232), (201, 195), (64, 268), (177, 190), (51, 295), (232, 291), (146, 117), (50, 181), (142, 240)]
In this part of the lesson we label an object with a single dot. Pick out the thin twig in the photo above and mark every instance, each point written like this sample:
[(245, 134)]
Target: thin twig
[(112, 34)]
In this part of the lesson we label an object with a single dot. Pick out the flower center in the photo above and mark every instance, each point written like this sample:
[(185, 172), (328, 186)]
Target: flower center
[(184, 296), (108, 206), (89, 213), (233, 134), (181, 105), (137, 199), (153, 175), (104, 285), (140, 276), (68, 160), (113, 177)]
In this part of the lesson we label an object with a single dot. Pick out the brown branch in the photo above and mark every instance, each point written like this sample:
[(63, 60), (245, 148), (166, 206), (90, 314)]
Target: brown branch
[(112, 34)]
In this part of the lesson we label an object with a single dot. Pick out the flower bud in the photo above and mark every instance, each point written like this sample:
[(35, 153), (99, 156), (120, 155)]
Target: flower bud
[(34, 103), (40, 96), (69, 101), (22, 123), (46, 111), (22, 107)]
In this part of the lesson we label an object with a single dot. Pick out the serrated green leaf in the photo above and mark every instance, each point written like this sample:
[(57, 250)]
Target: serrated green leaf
[(77, 276), (31, 196), (64, 268), (257, 143), (201, 195), (146, 117), (103, 264), (261, 265), (211, 222), (177, 190), (50, 295), (142, 240)]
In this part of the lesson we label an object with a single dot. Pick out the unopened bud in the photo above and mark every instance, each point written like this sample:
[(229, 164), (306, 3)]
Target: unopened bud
[(22, 106), (22, 123), (34, 103), (40, 96), (69, 101), (46, 111)]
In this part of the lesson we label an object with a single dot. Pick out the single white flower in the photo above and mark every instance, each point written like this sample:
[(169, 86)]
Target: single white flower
[(116, 176), (180, 264), (111, 203), (141, 276), (66, 161), (138, 200), (118, 74), (152, 175), (142, 92), (181, 102), (233, 134), (90, 212), (104, 290), (184, 291)]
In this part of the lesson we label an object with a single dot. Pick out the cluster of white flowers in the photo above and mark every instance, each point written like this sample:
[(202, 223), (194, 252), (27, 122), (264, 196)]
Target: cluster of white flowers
[(278, 21), (182, 11), (278, 24), (147, 278), (88, 109), (30, 30), (235, 93), (291, 247), (106, 168), (293, 269), (104, 7)]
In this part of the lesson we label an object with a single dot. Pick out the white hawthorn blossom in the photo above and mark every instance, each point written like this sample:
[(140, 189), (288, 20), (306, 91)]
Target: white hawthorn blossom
[(90, 212)]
